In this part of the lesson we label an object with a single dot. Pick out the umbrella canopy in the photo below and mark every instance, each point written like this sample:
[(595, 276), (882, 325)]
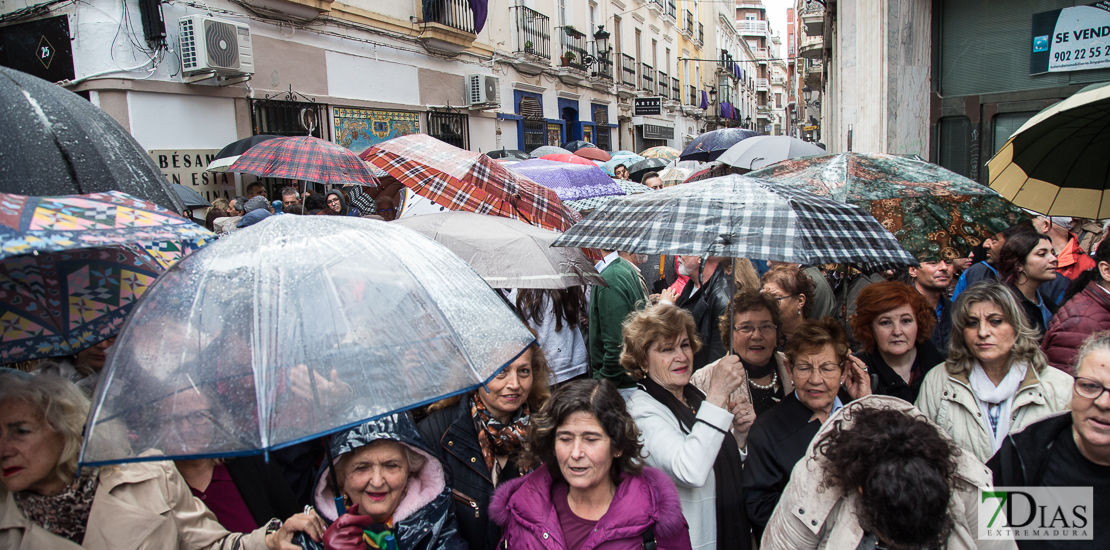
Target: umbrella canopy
[(569, 158), (678, 171), (1057, 162), (548, 150), (626, 160), (507, 253), (573, 146), (623, 153), (638, 170), (661, 152), (509, 154), (190, 197), (464, 180), (711, 145), (759, 151), (593, 153), (628, 187), (305, 158), (713, 169), (740, 217), (935, 213), (300, 327), (230, 153), (60, 144), (569, 181)]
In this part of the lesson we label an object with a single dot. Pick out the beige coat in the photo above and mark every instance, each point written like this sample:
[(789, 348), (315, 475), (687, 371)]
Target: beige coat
[(810, 516), (701, 378), (948, 401), (140, 506)]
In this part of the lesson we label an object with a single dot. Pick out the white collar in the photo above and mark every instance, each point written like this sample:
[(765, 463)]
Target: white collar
[(604, 263)]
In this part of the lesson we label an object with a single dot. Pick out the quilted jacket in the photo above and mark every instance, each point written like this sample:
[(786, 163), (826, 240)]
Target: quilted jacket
[(1086, 313)]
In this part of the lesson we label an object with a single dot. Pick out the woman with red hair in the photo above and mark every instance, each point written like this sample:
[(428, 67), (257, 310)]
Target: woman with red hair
[(893, 322)]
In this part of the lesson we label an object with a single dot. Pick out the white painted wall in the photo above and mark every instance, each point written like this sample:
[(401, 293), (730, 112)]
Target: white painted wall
[(168, 121)]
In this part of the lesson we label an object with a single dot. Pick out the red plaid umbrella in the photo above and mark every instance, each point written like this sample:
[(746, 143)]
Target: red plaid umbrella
[(571, 158), (305, 158), (465, 180), (593, 153)]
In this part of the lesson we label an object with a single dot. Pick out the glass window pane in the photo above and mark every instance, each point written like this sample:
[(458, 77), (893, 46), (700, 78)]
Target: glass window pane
[(955, 144)]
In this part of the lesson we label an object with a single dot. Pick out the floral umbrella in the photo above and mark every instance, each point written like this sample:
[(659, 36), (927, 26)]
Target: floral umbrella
[(934, 213), (661, 152)]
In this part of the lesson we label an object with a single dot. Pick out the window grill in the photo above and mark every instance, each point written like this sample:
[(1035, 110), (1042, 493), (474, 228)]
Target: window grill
[(449, 127), (531, 110)]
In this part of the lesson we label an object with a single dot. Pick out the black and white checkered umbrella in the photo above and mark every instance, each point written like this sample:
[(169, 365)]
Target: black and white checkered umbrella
[(739, 217)]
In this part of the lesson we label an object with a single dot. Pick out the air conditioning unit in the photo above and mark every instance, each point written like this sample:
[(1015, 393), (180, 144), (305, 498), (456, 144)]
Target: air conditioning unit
[(214, 47), (483, 91)]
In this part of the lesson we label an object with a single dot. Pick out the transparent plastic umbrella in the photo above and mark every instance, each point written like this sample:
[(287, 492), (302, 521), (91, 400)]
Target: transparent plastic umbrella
[(297, 327)]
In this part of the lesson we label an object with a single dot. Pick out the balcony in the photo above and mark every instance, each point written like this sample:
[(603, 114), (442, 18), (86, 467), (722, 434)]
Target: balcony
[(778, 80), (657, 6), (811, 47), (647, 78), (662, 86), (627, 88), (701, 35), (676, 91), (572, 69), (752, 27), (691, 96), (762, 85), (448, 27), (813, 19), (533, 40), (672, 12), (814, 73), (762, 55), (688, 23)]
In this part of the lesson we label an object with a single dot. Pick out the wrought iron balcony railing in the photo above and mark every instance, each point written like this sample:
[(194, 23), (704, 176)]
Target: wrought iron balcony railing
[(453, 13), (533, 32)]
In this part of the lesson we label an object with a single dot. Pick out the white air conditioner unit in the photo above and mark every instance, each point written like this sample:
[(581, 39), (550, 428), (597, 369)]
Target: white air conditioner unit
[(214, 47), (483, 91)]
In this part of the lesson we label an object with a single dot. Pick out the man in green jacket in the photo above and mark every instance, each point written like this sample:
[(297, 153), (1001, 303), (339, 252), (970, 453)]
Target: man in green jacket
[(608, 308)]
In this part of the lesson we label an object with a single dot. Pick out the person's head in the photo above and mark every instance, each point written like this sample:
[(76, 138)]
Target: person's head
[(755, 326), (584, 435), (817, 355), (386, 208), (188, 421), (621, 171), (959, 265), (256, 189), (296, 209), (92, 358), (660, 342), (1100, 274), (314, 203), (336, 204), (794, 291), (901, 466), (892, 318), (1027, 257), (41, 423), (932, 276), (256, 203), (652, 180), (1090, 403), (994, 244), (525, 380), (989, 326), (289, 197), (238, 204), (375, 477), (221, 204)]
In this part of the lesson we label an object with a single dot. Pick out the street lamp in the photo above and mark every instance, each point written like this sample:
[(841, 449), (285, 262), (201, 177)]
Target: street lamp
[(712, 94), (748, 122), (601, 41)]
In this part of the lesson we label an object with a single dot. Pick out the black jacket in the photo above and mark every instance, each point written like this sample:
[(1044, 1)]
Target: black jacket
[(884, 381), (707, 304), (1023, 456), (263, 488), (452, 433)]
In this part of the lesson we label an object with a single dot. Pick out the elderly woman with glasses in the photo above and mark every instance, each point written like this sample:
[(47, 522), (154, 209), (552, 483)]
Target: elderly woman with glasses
[(819, 365)]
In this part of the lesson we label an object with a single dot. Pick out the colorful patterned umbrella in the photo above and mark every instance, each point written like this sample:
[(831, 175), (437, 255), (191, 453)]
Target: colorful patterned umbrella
[(571, 159), (570, 181), (304, 158), (714, 169), (935, 213), (711, 145), (465, 180), (661, 152), (678, 171), (593, 153)]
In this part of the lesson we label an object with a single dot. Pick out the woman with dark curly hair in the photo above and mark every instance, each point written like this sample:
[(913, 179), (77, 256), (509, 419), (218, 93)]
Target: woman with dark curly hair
[(921, 491), (590, 487), (794, 292), (893, 322), (1024, 264)]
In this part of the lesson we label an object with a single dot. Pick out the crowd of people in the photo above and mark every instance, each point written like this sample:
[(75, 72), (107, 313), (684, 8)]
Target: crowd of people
[(691, 403), (227, 215)]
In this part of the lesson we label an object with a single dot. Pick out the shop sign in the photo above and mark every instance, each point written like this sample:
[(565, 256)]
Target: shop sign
[(810, 128), (652, 131), (1071, 39), (186, 167), (647, 106)]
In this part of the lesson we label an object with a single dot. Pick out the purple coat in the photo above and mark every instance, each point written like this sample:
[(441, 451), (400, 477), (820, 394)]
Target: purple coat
[(523, 507), (1085, 314)]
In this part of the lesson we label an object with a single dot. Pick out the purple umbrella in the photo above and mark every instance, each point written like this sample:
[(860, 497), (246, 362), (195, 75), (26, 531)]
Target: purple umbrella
[(570, 182), (710, 145)]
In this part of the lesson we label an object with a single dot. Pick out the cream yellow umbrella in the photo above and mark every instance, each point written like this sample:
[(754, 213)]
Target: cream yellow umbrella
[(1058, 163)]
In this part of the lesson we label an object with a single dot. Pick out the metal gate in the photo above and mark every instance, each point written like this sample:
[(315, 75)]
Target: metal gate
[(449, 127), (290, 118)]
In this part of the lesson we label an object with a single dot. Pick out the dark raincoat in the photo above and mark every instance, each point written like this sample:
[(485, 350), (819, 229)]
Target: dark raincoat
[(424, 520)]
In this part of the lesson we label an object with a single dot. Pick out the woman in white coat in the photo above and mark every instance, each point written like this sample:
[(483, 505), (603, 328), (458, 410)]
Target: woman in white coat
[(695, 437)]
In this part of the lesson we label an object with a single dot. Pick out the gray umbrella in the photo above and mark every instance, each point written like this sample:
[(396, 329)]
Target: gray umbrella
[(549, 150), (756, 152), (190, 197), (60, 144), (507, 253)]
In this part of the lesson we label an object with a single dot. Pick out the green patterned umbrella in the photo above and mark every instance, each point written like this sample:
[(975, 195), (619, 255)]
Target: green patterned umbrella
[(935, 213)]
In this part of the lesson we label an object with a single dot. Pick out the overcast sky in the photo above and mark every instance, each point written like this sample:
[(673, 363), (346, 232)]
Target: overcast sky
[(776, 13)]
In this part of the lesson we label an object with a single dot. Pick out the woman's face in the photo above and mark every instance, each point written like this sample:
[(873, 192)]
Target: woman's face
[(1040, 264), (509, 389), (29, 449), (670, 362), (790, 306), (895, 331), (817, 378), (584, 451), (376, 478), (754, 336), (334, 204), (989, 336)]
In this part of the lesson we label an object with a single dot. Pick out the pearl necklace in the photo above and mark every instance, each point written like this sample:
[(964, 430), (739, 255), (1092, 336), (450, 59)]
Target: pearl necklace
[(771, 386)]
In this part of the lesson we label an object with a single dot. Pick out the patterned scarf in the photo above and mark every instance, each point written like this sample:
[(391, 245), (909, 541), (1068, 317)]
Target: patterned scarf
[(64, 514), (374, 535), (494, 437)]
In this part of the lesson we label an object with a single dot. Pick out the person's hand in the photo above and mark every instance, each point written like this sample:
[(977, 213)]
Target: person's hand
[(329, 391), (310, 524), (743, 416), (668, 295), (727, 375), (858, 382)]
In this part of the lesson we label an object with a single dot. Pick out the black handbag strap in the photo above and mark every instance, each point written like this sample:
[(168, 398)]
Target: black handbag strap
[(649, 538)]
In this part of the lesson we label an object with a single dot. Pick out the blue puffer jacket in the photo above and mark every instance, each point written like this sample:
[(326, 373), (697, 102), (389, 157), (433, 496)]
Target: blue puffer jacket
[(424, 520)]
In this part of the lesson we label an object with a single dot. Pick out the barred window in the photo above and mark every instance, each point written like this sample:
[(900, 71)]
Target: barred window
[(531, 110), (601, 128)]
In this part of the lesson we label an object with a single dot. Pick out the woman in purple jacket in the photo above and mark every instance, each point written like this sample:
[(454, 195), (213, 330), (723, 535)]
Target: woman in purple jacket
[(590, 488), (1086, 310)]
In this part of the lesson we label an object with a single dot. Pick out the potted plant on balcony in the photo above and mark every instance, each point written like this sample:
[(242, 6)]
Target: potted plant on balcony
[(528, 48), (570, 30), (568, 58)]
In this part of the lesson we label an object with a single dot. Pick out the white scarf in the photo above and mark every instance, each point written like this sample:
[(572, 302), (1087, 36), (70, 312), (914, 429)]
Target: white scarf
[(999, 399)]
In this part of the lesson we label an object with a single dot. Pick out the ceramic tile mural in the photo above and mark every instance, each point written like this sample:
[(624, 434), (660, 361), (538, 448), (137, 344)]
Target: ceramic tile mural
[(358, 129)]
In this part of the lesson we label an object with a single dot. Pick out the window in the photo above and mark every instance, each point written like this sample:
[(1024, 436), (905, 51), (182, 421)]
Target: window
[(617, 37), (532, 125), (453, 128), (954, 144), (1005, 124), (554, 134), (601, 127), (563, 13)]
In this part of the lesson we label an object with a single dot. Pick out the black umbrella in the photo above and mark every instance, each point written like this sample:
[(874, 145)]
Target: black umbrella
[(710, 145), (60, 144), (639, 169), (573, 146), (508, 154), (190, 197), (239, 147)]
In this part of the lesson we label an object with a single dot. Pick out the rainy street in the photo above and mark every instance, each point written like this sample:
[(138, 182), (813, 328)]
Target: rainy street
[(555, 275)]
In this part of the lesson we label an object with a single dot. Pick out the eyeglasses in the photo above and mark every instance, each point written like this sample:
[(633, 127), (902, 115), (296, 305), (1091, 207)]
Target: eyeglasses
[(1089, 389), (330, 201), (195, 418), (780, 298), (827, 370), (748, 330)]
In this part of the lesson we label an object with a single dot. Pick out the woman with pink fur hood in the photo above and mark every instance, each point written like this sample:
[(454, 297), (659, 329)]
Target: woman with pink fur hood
[(590, 489), (393, 488)]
